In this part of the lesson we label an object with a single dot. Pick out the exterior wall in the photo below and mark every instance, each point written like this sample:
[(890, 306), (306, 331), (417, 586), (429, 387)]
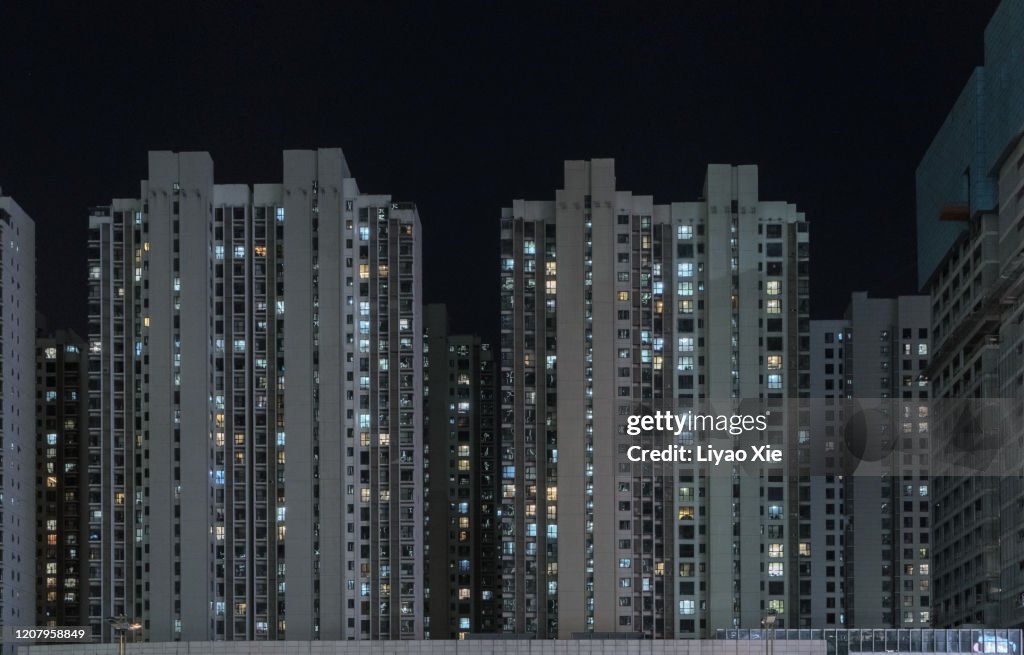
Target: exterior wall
[(61, 463), (632, 307), (1010, 377), (17, 415), (965, 520)]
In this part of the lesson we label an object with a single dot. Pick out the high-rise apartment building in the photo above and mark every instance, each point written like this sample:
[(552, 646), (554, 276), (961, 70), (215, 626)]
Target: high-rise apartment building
[(459, 384), (62, 510), (828, 513), (17, 412), (978, 382), (255, 439), (612, 305), (870, 450)]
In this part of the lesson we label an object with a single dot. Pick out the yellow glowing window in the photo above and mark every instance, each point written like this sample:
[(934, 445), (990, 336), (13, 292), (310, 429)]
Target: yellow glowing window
[(774, 362), (364, 271), (364, 494), (623, 295)]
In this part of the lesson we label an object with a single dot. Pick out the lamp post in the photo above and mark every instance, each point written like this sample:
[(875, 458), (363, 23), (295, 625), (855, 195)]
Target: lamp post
[(769, 632), (121, 626)]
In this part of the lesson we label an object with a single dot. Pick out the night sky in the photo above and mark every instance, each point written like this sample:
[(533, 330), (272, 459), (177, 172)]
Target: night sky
[(461, 107)]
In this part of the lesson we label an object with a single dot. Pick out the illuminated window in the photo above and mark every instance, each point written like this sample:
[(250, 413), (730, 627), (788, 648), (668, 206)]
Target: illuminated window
[(623, 295), (774, 362), (775, 569), (773, 288), (684, 232), (775, 550), (774, 306)]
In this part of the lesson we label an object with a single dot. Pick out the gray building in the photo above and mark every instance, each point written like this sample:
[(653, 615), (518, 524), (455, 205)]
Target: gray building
[(17, 412), (978, 368), (255, 464), (459, 384), (62, 449), (828, 514), (872, 528), (956, 178), (612, 305)]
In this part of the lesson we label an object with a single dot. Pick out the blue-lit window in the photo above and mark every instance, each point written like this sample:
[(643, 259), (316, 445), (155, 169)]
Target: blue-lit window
[(218, 477), (279, 214)]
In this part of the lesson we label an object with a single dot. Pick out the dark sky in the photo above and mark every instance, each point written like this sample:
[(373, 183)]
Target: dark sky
[(462, 107)]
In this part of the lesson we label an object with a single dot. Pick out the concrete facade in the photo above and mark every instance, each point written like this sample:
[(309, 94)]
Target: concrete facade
[(17, 415)]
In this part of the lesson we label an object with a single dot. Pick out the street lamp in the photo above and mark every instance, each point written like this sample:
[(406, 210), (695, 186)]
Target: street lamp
[(769, 637), (121, 626)]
